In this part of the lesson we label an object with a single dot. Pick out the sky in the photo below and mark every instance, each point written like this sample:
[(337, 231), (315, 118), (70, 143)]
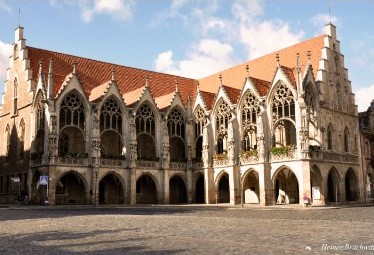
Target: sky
[(191, 38)]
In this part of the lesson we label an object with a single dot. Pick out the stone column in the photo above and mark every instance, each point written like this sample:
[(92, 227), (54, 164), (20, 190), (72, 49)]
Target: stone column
[(132, 186)]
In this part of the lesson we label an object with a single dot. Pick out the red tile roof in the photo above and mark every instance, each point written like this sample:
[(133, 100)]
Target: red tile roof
[(264, 68), (94, 75)]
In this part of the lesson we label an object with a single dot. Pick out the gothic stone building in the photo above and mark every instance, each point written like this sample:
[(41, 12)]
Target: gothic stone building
[(276, 129)]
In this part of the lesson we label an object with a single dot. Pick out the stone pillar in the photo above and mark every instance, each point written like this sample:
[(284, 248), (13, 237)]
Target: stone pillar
[(133, 154), (165, 160), (267, 185), (132, 186), (189, 186), (51, 188), (234, 183), (165, 185), (210, 192), (305, 188)]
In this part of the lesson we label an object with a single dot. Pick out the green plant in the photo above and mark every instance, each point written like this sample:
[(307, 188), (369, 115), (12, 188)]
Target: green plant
[(283, 150), (221, 156), (248, 154)]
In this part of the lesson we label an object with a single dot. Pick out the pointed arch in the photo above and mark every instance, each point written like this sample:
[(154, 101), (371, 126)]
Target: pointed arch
[(177, 189), (286, 186), (111, 189), (333, 182), (351, 186), (146, 189), (72, 111), (223, 187), (71, 188), (199, 188), (250, 182), (200, 122)]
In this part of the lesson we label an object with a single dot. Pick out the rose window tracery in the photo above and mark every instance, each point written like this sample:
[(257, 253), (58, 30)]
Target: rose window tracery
[(72, 112), (250, 109), (110, 116)]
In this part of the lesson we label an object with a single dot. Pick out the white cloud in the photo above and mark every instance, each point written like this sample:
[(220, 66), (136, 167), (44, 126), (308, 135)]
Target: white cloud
[(118, 9), (206, 57), (364, 96), (320, 20), (5, 52), (5, 7)]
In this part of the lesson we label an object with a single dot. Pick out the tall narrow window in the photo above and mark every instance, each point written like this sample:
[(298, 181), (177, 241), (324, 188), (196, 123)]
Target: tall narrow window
[(250, 109), (176, 129), (346, 139), (7, 134), (200, 122), (111, 128), (223, 115), (145, 132), (15, 96), (15, 51), (22, 138), (283, 116), (329, 137)]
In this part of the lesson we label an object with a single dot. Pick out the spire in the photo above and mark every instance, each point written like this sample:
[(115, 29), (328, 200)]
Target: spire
[(50, 79), (298, 62), (220, 78), (277, 58), (176, 86), (75, 67), (113, 74), (198, 86), (188, 99), (247, 69)]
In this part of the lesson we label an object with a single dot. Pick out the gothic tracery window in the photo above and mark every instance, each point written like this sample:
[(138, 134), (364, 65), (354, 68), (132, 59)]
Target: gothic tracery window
[(145, 132), (72, 112), (223, 115), (110, 128), (250, 109), (283, 116), (200, 122), (176, 129), (72, 125)]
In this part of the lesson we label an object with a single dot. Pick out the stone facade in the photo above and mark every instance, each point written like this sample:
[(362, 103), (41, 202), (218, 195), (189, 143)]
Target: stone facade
[(106, 134)]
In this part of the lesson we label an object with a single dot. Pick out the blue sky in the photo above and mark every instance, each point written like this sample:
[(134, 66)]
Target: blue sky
[(192, 38)]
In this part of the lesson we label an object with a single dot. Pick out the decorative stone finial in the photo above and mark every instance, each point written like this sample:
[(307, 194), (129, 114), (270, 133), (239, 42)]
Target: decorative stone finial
[(220, 78), (298, 62), (176, 86), (40, 67), (198, 86), (147, 81), (309, 55), (50, 68), (277, 57), (113, 74), (247, 69), (75, 67)]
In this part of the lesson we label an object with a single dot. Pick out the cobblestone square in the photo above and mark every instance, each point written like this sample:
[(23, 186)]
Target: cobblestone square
[(186, 230)]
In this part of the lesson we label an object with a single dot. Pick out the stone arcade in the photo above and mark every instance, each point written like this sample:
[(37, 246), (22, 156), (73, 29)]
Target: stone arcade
[(272, 130)]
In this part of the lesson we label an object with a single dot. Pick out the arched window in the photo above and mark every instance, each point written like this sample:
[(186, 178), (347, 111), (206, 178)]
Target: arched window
[(283, 117), (346, 140), (110, 128), (72, 125), (200, 122), (145, 132), (22, 138), (15, 96), (110, 116), (7, 134), (176, 129), (223, 115), (336, 62), (330, 133), (72, 112), (250, 109)]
